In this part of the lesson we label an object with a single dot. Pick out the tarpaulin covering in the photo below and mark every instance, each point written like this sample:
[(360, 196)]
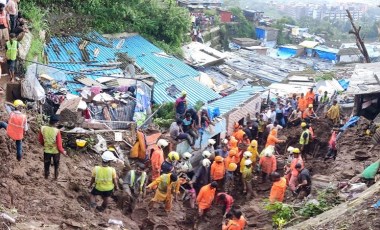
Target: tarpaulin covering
[(344, 83), (260, 33)]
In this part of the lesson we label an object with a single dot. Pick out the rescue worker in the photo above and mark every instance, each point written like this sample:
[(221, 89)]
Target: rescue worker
[(226, 201), (202, 175), (218, 170), (302, 103), (267, 165), (304, 182), (233, 143), (277, 192), (239, 133), (309, 114), (105, 179), (334, 113), (231, 158), (310, 96), (252, 148), (11, 55), (291, 172), (50, 137), (325, 99), (304, 139), (241, 219), (247, 176), (245, 140), (181, 106), (261, 129), (246, 156), (295, 118), (168, 165), (134, 184), (17, 126), (229, 182), (272, 138), (210, 148), (167, 185), (332, 152), (157, 157), (185, 166), (205, 197), (230, 223)]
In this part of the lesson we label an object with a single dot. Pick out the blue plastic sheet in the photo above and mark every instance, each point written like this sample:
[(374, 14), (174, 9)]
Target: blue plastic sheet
[(344, 83), (352, 122)]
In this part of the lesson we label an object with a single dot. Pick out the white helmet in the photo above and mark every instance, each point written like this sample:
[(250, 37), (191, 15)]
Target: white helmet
[(186, 167), (162, 143), (268, 153), (247, 154), (290, 149), (211, 141), (186, 156), (247, 162), (206, 154), (108, 156), (206, 163), (225, 141)]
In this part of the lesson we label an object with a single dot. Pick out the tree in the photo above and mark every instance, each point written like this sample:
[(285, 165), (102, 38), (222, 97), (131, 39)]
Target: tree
[(359, 39)]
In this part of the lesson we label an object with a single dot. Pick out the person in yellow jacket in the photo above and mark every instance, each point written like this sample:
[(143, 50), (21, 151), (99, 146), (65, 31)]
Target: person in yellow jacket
[(255, 153), (17, 126), (247, 176), (50, 137), (334, 112), (11, 55), (167, 185), (105, 179)]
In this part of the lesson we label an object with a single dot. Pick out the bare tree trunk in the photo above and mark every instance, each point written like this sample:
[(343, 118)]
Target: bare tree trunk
[(359, 40)]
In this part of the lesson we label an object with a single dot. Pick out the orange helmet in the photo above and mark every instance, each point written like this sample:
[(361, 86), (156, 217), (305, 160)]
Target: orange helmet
[(219, 159)]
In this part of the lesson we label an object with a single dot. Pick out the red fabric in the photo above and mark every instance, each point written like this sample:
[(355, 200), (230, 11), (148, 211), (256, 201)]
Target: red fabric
[(332, 141), (228, 202), (293, 169)]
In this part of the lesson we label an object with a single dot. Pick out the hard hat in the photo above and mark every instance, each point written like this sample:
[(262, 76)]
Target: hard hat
[(114, 105), (232, 167), (247, 154), (206, 154), (18, 103), (232, 153), (80, 142), (247, 162), (310, 105), (173, 156), (211, 141), (186, 156), (219, 159), (112, 149), (162, 143), (183, 93), (268, 153), (303, 124), (206, 163), (253, 143), (225, 141), (290, 149), (296, 150), (108, 156)]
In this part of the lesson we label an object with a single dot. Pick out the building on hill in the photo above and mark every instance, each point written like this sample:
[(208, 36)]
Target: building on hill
[(349, 55), (267, 35)]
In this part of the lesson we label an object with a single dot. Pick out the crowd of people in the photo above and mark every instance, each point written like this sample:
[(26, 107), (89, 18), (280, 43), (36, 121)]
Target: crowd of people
[(200, 22), (224, 172)]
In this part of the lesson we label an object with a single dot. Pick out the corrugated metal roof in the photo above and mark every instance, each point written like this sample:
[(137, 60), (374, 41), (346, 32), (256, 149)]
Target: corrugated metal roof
[(233, 100), (365, 79), (64, 53)]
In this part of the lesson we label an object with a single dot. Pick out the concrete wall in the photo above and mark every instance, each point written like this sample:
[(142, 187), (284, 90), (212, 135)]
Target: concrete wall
[(250, 107), (349, 58)]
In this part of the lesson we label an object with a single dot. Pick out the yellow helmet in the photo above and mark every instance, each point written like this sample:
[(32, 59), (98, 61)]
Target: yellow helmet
[(303, 124), (310, 105), (18, 103), (183, 93), (232, 167), (296, 150), (80, 143), (112, 149), (173, 156)]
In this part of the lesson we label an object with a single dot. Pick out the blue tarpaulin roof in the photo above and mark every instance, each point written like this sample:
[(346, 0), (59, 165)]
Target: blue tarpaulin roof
[(235, 99), (327, 53), (64, 53)]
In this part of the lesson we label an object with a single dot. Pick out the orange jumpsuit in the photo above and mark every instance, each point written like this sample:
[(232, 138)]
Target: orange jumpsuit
[(277, 192), (217, 170), (310, 97), (268, 164), (205, 197), (239, 135), (302, 104), (156, 160), (272, 138)]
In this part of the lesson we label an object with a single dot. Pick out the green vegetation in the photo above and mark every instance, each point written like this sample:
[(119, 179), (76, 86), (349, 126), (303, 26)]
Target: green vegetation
[(325, 76), (162, 22), (282, 38), (284, 214), (35, 16), (165, 115)]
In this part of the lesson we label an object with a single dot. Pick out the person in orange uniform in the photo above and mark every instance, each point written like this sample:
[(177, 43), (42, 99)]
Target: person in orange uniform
[(310, 96), (239, 134), (277, 192), (17, 126), (218, 170), (302, 103), (233, 143), (272, 138), (268, 164), (292, 172), (309, 114), (205, 197), (231, 158), (231, 222), (241, 219), (157, 158)]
